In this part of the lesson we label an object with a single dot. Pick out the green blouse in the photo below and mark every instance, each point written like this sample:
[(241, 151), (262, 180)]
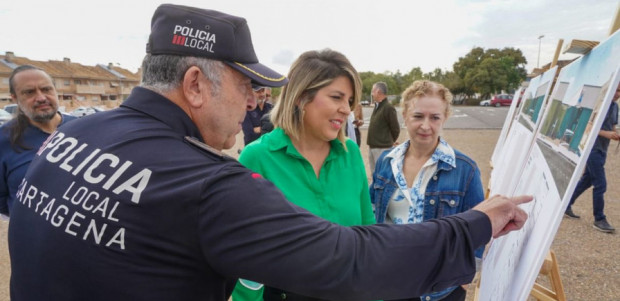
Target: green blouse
[(340, 193)]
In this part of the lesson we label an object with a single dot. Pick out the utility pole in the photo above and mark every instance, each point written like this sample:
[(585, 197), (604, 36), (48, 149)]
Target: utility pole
[(539, 41)]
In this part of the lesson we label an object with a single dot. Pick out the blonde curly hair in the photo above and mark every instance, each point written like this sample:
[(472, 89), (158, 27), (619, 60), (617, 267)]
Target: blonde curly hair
[(421, 88)]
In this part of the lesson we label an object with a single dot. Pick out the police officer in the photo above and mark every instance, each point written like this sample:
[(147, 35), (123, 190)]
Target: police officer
[(138, 203)]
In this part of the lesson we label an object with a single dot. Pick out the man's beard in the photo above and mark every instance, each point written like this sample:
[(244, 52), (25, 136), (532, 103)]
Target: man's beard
[(44, 117)]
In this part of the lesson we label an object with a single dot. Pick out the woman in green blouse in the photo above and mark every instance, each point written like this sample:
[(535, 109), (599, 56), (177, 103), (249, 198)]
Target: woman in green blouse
[(307, 155)]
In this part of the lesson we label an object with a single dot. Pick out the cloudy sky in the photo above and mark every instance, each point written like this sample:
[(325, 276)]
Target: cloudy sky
[(376, 36)]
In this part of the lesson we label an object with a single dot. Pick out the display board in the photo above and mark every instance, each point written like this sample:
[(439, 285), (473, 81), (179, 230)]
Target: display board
[(543, 155), (516, 102), (510, 153)]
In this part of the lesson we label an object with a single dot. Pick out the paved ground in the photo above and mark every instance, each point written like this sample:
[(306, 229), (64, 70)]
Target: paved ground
[(588, 259)]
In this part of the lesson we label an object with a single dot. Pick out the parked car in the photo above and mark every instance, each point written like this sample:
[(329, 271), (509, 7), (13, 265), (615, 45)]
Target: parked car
[(485, 103), (501, 100), (5, 116), (365, 102), (83, 111), (11, 108)]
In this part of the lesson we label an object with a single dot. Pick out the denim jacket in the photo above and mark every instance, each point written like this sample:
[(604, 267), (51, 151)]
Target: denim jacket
[(451, 190)]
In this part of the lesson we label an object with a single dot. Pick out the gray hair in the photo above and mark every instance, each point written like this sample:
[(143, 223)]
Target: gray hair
[(163, 73), (382, 87)]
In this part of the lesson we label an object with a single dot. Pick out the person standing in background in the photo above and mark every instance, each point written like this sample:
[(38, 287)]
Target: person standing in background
[(251, 124), (268, 98), (594, 174), (350, 127), (265, 122), (33, 90), (383, 129), (358, 122)]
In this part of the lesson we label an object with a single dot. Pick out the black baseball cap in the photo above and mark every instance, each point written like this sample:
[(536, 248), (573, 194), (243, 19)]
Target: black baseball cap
[(190, 31)]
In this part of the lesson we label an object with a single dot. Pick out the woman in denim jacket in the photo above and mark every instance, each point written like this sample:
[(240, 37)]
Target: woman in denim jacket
[(425, 178)]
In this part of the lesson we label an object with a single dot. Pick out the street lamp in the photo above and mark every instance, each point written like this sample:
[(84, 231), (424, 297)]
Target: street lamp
[(539, 40)]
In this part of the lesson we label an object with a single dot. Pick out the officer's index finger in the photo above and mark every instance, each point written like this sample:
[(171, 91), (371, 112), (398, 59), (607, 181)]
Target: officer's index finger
[(520, 199)]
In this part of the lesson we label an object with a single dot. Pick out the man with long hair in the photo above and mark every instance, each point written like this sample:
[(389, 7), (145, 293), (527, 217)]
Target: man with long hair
[(37, 116)]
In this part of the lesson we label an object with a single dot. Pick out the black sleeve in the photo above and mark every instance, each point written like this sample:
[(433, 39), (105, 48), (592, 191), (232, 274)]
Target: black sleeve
[(250, 231)]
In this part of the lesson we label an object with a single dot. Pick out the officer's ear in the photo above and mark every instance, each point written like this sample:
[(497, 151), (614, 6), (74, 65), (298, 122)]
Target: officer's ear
[(195, 86)]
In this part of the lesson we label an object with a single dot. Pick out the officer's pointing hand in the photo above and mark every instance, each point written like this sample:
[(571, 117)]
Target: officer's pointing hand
[(504, 213)]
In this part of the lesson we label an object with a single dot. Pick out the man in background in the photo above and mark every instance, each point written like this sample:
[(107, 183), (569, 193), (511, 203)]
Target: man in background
[(37, 116), (252, 122), (383, 129), (358, 121), (594, 175), (268, 98)]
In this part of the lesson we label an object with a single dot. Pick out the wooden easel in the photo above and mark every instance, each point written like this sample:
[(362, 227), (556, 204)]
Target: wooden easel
[(549, 269)]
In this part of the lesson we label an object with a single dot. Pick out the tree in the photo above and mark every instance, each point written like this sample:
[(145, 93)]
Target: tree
[(436, 75), (487, 78), (480, 71), (275, 92), (413, 75), (454, 83), (491, 71), (393, 81), (368, 79)]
